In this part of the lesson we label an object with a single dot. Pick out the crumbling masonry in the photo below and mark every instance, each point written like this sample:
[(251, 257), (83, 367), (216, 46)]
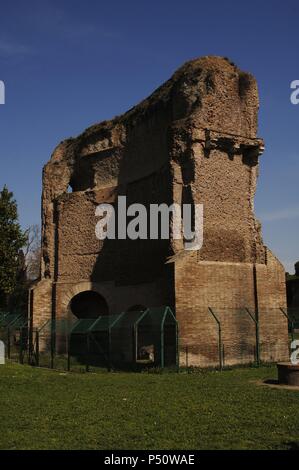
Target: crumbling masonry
[(194, 140)]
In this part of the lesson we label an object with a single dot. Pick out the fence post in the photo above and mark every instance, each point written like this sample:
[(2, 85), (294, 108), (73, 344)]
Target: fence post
[(53, 341), (37, 347), (8, 343), (68, 352), (258, 352), (162, 347), (290, 321), (257, 334), (109, 349), (187, 357), (135, 345), (177, 348), (30, 344), (219, 337), (21, 347), (87, 354)]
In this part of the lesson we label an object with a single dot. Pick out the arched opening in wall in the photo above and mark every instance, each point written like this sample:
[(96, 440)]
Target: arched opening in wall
[(89, 304), (137, 308)]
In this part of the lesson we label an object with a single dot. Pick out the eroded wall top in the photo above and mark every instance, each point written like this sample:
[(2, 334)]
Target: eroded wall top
[(208, 101)]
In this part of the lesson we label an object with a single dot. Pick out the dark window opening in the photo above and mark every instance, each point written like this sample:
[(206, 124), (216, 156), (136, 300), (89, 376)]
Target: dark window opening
[(89, 304)]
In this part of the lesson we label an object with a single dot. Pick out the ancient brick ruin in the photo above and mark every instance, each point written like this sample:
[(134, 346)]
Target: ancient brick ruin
[(193, 140)]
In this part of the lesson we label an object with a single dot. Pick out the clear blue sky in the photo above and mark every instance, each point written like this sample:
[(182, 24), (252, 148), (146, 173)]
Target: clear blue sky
[(70, 63)]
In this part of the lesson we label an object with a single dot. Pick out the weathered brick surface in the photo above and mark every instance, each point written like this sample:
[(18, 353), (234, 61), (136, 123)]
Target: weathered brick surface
[(40, 303), (192, 141), (229, 288)]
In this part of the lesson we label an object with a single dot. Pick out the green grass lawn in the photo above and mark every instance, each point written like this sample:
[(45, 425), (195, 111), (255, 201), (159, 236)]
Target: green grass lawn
[(43, 409)]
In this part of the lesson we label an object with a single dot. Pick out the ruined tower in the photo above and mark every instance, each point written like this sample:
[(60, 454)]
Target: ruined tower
[(194, 140)]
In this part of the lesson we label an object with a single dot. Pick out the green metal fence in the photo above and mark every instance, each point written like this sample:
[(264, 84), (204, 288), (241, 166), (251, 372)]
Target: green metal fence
[(14, 334), (131, 340), (150, 338), (231, 336)]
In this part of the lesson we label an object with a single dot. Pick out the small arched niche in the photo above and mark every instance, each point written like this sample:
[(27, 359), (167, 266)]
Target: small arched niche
[(88, 304)]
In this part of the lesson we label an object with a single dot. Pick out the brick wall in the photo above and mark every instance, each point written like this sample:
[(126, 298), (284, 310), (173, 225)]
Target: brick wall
[(228, 288), (192, 141), (40, 303)]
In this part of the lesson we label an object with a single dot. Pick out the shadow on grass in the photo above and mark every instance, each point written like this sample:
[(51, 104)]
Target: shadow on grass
[(271, 382)]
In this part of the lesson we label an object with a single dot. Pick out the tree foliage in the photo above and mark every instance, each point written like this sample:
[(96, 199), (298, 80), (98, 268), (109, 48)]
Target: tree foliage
[(12, 239)]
